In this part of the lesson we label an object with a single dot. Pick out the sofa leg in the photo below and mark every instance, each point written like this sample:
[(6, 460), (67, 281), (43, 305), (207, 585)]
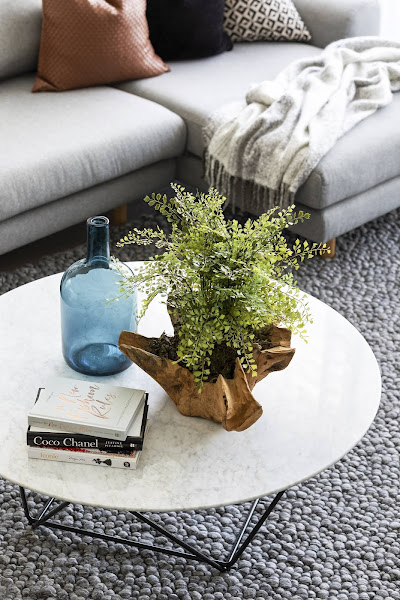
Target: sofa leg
[(119, 215), (331, 244)]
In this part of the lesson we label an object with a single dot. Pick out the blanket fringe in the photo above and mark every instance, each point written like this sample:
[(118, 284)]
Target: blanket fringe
[(246, 195)]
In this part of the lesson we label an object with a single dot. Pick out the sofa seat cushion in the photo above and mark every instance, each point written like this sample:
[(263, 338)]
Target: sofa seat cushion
[(53, 145), (366, 156), (195, 88)]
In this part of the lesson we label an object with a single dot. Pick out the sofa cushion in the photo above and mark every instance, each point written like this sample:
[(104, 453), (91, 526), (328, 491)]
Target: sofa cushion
[(20, 24), (330, 20), (181, 29), (272, 20), (365, 157), (53, 145), (90, 43), (195, 88)]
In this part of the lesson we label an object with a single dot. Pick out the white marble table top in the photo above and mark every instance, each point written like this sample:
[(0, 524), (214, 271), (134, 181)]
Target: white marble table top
[(314, 413)]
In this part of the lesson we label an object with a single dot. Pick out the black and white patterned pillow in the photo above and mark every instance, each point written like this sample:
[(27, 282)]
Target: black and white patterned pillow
[(255, 20)]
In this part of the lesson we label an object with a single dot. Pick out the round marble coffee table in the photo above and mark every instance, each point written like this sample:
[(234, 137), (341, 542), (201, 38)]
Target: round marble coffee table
[(314, 413)]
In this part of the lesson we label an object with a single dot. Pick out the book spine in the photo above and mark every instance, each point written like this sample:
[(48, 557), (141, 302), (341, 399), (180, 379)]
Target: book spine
[(82, 429), (85, 458), (61, 441)]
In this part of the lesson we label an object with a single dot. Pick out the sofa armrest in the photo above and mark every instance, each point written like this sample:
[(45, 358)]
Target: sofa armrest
[(331, 20)]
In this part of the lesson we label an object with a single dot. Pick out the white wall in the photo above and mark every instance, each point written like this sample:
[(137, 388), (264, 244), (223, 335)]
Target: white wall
[(390, 23)]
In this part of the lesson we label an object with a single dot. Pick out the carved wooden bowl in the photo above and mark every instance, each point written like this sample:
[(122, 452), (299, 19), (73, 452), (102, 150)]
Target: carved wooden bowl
[(227, 401)]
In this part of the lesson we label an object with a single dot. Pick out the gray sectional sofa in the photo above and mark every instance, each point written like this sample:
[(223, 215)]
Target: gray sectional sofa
[(65, 156)]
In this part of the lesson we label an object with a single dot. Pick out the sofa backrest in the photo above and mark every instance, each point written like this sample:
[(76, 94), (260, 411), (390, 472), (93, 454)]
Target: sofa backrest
[(20, 28)]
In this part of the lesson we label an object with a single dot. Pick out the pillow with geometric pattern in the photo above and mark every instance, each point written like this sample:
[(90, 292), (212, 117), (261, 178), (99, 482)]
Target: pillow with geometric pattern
[(270, 20)]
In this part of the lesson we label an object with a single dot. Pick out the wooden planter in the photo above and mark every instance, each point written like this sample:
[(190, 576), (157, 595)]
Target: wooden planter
[(227, 401)]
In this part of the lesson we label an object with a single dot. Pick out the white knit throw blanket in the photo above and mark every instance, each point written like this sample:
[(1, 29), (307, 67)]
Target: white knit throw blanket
[(259, 152)]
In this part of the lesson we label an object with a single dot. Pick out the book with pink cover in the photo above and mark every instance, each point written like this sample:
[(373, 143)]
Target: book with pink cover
[(87, 407)]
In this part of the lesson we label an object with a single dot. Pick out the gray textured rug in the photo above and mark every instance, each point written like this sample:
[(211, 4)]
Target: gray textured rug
[(334, 537)]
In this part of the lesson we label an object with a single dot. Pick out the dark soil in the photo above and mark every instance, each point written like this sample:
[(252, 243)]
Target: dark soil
[(262, 338), (223, 357), (165, 346)]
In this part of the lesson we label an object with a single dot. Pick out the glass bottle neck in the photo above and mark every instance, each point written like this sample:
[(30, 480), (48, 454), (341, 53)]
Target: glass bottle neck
[(98, 240)]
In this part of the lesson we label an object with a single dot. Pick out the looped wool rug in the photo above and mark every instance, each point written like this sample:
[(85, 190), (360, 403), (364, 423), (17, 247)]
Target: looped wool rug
[(334, 537)]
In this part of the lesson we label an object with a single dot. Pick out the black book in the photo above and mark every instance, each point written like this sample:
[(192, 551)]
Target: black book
[(47, 438)]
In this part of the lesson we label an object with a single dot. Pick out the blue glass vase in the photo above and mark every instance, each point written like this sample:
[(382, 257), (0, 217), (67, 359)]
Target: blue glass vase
[(91, 320)]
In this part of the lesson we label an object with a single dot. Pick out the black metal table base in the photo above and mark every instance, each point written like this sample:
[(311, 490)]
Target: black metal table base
[(188, 551)]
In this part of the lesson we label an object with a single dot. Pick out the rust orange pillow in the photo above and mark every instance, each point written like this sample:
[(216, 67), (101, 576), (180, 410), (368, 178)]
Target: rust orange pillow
[(94, 42)]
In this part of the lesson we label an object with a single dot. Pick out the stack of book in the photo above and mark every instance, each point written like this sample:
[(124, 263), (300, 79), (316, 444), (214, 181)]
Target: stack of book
[(87, 423)]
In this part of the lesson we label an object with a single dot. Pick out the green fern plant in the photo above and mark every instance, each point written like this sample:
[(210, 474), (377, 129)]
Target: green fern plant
[(223, 281)]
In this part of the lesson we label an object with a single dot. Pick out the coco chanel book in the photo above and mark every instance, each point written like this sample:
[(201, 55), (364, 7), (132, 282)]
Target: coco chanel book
[(86, 407), (40, 437)]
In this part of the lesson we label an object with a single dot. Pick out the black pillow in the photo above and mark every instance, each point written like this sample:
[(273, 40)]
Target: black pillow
[(182, 29)]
